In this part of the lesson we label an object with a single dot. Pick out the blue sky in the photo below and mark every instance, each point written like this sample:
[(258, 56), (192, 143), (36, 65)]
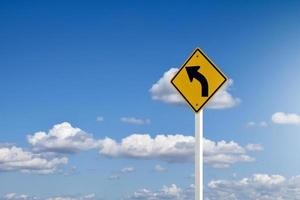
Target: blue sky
[(72, 62)]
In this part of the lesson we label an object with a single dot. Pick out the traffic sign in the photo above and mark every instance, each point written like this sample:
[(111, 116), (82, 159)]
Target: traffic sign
[(198, 80)]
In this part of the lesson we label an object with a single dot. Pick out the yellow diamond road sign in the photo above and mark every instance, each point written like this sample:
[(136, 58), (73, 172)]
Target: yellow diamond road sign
[(198, 80)]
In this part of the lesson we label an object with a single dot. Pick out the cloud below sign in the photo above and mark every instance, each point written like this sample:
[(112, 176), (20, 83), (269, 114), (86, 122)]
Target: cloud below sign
[(65, 139), (163, 91)]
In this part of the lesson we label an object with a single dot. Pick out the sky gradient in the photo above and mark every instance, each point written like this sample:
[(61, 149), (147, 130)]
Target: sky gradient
[(87, 111)]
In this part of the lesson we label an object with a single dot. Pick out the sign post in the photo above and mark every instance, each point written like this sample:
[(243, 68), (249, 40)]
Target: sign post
[(199, 155), (197, 81)]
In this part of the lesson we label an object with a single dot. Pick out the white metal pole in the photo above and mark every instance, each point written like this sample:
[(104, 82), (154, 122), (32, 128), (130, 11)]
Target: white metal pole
[(199, 155)]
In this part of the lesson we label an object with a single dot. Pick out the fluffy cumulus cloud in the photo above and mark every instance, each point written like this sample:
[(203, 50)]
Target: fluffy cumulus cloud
[(258, 187), (286, 118), (163, 91), (15, 196), (223, 154), (62, 138), (16, 159), (136, 121), (170, 148), (223, 99), (172, 192), (174, 148)]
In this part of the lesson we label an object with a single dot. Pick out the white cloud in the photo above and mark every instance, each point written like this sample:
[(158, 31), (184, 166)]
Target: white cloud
[(6, 144), (100, 119), (174, 148), (136, 121), (257, 124), (163, 91), (15, 196), (91, 196), (254, 147), (123, 171), (127, 170), (16, 159), (224, 161), (69, 171), (172, 192), (285, 118), (62, 138), (159, 168), (263, 124), (114, 177), (223, 154), (223, 99), (258, 187), (251, 124), (171, 148)]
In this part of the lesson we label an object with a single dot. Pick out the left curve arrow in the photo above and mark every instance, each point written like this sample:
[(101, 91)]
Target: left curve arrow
[(193, 73)]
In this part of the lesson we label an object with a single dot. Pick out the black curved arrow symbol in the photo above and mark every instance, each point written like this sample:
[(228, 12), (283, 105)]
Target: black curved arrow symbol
[(193, 73)]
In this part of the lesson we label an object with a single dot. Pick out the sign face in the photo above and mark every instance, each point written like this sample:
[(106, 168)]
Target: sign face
[(198, 80)]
